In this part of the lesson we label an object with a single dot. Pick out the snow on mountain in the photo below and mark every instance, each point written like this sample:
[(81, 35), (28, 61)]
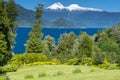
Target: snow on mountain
[(76, 7), (72, 7), (56, 6)]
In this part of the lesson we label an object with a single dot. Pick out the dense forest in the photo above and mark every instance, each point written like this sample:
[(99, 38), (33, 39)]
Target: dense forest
[(102, 49)]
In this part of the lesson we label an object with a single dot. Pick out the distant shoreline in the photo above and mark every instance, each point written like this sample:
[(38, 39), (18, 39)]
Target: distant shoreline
[(65, 27)]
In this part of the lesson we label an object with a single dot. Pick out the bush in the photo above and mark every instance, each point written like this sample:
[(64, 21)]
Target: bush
[(21, 59), (74, 61), (77, 71), (1, 70), (4, 77), (42, 63), (43, 74), (55, 60), (8, 68), (28, 76), (105, 64), (87, 60), (112, 66)]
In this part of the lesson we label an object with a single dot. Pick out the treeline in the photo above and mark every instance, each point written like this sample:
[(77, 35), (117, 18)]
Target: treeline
[(103, 47), (8, 25)]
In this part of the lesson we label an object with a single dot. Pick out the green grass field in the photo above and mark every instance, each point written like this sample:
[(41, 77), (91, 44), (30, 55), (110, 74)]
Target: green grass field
[(64, 72)]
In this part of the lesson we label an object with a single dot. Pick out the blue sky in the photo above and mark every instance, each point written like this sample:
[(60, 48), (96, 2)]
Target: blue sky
[(107, 5)]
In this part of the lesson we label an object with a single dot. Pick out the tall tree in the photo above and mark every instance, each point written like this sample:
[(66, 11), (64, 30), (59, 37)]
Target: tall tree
[(35, 44), (107, 44), (12, 13), (85, 45), (50, 48), (66, 45), (97, 56), (5, 32)]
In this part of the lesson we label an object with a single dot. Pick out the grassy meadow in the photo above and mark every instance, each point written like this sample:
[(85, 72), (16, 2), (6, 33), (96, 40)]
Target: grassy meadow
[(63, 72)]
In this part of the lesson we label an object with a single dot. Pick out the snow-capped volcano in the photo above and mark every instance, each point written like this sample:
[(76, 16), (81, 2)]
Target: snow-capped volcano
[(72, 7), (76, 7), (56, 6)]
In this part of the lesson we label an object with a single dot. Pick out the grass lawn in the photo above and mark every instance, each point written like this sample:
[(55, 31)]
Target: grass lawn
[(64, 72)]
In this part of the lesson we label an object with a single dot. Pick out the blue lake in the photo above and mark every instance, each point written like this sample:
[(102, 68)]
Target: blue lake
[(22, 35)]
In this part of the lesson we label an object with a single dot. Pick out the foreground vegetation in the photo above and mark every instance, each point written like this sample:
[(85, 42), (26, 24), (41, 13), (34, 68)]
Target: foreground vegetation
[(42, 58), (63, 72)]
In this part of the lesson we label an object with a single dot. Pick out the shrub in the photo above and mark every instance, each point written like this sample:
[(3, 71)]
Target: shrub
[(28, 76), (55, 60), (87, 60), (8, 68), (105, 64), (1, 70), (21, 59), (77, 71), (4, 77), (42, 63), (74, 61), (112, 66), (43, 74)]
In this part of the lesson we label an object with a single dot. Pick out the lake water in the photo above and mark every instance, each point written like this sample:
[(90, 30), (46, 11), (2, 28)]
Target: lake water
[(22, 35)]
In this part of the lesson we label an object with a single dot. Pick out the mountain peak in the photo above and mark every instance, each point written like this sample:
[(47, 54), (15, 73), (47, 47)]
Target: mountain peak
[(72, 7), (55, 6)]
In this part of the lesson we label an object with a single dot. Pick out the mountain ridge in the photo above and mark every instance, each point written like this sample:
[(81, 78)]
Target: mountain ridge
[(78, 18), (71, 7)]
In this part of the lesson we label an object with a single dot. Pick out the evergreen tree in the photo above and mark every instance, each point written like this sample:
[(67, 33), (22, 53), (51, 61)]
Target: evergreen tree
[(50, 48), (97, 55), (35, 44), (107, 44), (85, 45), (4, 24), (66, 45), (12, 13), (4, 57)]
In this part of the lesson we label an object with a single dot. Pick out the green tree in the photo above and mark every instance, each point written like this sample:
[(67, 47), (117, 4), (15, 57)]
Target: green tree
[(66, 45), (118, 59), (50, 48), (114, 32), (106, 41), (3, 52), (4, 24), (35, 44), (12, 13), (107, 44), (6, 31), (97, 55), (85, 45)]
